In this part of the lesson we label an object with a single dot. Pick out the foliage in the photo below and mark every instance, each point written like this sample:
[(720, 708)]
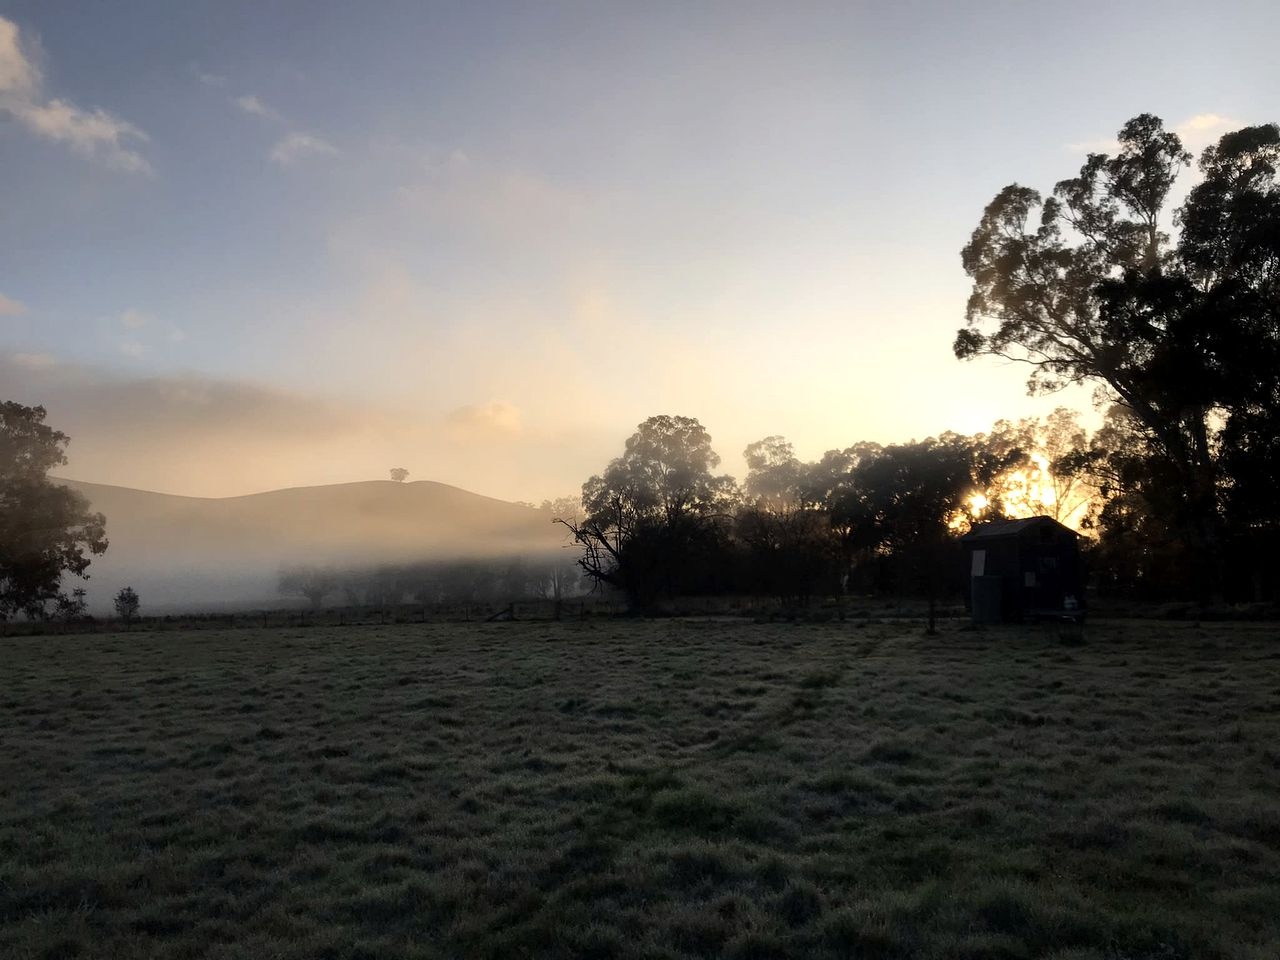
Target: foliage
[(73, 607), (309, 581), (562, 508), (46, 530), (657, 513), (545, 576), (790, 548), (127, 604), (399, 474), (909, 499), (1182, 334)]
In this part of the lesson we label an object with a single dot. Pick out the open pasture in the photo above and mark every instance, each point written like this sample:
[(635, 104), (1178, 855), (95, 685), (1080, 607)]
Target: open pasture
[(660, 789)]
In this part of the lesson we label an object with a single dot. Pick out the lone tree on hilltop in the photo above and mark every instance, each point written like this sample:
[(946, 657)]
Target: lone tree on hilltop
[(46, 529), (399, 474), (127, 604)]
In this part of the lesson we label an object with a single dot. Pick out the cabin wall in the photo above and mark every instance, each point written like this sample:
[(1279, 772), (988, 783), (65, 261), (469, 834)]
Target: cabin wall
[(1038, 568)]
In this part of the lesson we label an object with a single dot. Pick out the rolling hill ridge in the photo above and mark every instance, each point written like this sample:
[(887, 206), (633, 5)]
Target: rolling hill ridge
[(200, 552)]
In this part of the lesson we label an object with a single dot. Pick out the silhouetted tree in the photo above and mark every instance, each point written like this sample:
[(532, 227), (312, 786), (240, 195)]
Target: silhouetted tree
[(72, 608), (791, 549), (1060, 438), (827, 483), (1141, 548), (656, 513), (314, 583), (555, 578), (127, 604), (910, 500), (1035, 481), (399, 474), (1184, 336), (562, 508), (773, 474), (46, 530)]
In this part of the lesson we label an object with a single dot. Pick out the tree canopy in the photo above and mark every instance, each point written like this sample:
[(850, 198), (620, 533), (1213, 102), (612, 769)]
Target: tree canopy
[(46, 529), (652, 509), (1180, 332)]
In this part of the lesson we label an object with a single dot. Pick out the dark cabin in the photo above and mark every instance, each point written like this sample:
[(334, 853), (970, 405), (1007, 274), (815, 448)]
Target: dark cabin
[(1024, 570)]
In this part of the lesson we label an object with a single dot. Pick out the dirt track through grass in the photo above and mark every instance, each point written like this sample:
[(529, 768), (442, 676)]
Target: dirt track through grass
[(664, 789)]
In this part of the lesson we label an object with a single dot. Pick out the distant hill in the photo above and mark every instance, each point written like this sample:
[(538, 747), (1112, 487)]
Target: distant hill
[(208, 553)]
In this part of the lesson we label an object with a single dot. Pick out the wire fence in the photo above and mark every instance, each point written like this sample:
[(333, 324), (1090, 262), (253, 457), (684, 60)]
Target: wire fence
[(525, 610)]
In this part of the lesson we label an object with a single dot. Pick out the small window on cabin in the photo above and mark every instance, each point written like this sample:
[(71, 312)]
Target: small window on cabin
[(1030, 578), (978, 564), (1048, 563)]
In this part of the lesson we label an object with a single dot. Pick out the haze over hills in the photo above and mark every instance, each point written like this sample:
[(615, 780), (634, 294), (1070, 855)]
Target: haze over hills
[(189, 553)]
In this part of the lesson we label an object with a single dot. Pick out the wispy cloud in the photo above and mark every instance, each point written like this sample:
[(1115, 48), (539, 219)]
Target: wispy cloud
[(208, 79), (134, 319), (92, 133), (1204, 128), (251, 103), (296, 147), (33, 361), (10, 307), (496, 416)]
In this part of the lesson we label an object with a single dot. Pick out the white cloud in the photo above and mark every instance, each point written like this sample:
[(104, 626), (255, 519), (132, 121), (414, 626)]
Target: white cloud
[(131, 348), (18, 74), (292, 148), (92, 133), (33, 361), (1195, 132), (10, 307), (251, 103), (133, 319), (1203, 129), (209, 79), (300, 146)]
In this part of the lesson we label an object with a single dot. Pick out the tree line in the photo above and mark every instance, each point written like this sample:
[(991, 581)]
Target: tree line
[(452, 582), (1179, 334), (659, 522)]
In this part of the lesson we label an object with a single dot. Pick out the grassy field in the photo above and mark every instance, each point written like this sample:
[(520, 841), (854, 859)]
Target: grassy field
[(663, 789)]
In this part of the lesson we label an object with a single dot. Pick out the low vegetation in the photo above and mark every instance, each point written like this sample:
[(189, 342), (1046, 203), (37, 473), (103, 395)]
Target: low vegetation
[(622, 789)]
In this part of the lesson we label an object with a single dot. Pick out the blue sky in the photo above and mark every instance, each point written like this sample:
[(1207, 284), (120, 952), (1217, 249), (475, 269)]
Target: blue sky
[(251, 245)]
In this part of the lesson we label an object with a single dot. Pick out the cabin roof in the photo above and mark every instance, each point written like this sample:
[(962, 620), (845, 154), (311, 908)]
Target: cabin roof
[(997, 529)]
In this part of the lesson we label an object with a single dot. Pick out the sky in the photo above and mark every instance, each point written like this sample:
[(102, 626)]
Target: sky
[(254, 245)]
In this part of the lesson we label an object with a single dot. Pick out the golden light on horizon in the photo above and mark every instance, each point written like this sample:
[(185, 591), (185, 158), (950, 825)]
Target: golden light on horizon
[(1029, 491)]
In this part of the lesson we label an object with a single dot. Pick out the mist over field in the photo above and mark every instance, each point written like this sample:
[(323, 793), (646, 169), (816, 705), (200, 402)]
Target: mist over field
[(188, 554)]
